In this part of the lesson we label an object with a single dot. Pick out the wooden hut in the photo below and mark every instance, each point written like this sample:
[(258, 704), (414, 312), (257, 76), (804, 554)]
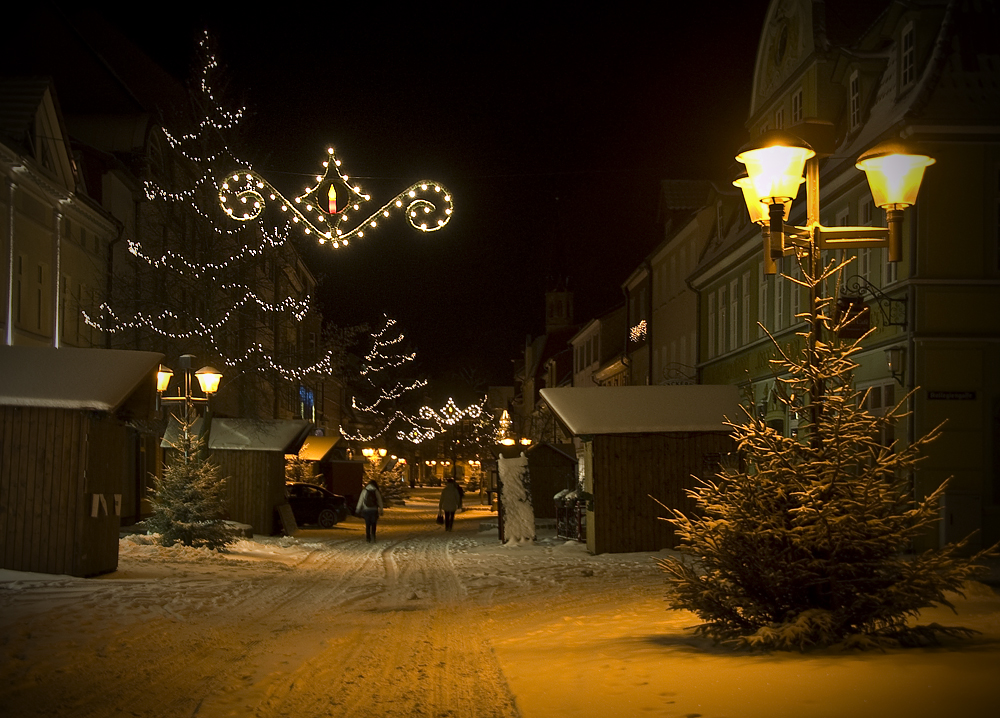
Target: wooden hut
[(251, 455), (640, 442), (551, 468), (64, 461)]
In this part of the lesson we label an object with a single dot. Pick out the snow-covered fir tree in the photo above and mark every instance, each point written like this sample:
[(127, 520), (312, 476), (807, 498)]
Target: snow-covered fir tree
[(189, 500), (807, 541)]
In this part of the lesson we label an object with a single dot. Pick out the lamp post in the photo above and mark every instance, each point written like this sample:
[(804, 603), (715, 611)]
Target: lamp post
[(208, 379), (775, 163)]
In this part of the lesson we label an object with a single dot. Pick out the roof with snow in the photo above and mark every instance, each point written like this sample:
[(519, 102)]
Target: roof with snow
[(73, 378), (284, 435), (644, 409), (315, 448)]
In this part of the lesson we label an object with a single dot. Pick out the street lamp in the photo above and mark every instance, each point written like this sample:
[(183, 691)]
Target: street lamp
[(208, 379), (775, 163)]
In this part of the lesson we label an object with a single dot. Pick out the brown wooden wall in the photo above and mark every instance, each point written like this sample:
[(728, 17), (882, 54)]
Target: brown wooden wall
[(629, 468), (255, 486), (52, 463)]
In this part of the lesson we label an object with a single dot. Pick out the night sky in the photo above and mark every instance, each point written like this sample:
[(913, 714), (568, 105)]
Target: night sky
[(552, 130)]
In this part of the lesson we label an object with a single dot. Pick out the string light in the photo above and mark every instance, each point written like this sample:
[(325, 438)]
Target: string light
[(320, 209)]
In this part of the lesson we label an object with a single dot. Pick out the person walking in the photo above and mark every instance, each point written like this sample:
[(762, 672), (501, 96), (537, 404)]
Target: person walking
[(450, 502), (370, 507)]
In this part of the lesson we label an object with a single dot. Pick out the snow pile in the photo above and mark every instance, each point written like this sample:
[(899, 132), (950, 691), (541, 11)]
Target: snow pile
[(519, 516)]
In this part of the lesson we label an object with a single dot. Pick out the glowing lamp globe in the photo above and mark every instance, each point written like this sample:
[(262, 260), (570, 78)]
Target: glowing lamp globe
[(163, 375), (894, 173), (757, 208), (775, 163), (209, 379)]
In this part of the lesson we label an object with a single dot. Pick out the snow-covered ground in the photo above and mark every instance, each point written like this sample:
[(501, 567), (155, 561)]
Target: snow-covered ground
[(428, 623)]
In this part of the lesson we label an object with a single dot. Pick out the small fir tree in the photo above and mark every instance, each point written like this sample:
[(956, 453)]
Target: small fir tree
[(189, 500), (391, 481), (805, 542)]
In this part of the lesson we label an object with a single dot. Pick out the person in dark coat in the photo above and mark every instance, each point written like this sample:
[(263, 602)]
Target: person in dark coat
[(370, 507), (450, 502)]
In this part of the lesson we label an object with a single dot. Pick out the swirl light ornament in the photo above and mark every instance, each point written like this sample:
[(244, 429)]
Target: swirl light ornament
[(322, 208)]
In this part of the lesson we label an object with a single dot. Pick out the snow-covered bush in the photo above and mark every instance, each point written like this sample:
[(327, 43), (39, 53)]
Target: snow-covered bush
[(806, 540)]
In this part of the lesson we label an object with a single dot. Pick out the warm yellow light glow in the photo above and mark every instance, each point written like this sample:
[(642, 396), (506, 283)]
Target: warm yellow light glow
[(525, 441), (507, 442), (368, 452), (163, 375), (756, 208), (382, 452), (209, 379), (775, 164), (894, 174)]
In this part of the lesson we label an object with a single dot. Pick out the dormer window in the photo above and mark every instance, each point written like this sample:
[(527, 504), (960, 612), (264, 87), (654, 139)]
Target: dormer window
[(855, 100), (907, 56)]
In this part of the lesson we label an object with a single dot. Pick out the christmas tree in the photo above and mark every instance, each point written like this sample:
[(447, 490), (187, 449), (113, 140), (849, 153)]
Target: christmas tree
[(384, 396), (189, 499), (803, 541)]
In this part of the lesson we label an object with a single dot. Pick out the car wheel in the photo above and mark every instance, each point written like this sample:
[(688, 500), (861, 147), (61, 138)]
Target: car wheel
[(327, 518)]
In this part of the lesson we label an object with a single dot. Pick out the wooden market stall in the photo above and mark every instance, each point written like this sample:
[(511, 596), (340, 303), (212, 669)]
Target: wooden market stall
[(641, 444), (64, 458)]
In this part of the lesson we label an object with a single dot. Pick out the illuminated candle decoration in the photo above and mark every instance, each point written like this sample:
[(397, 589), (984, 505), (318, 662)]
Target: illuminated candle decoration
[(426, 205)]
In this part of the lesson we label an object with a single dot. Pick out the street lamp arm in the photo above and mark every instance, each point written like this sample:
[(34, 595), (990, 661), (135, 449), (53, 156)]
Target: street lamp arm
[(856, 285)]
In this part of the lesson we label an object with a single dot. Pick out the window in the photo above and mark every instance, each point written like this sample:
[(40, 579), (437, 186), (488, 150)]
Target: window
[(908, 57), (855, 99), (797, 106), (761, 300), (734, 315), (779, 300), (722, 320), (711, 325), (745, 314), (779, 118), (795, 291)]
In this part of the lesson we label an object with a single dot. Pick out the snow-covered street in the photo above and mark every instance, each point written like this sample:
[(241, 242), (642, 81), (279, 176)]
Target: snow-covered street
[(428, 623)]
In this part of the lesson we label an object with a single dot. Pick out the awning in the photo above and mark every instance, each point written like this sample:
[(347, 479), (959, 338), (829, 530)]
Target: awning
[(73, 378), (644, 409)]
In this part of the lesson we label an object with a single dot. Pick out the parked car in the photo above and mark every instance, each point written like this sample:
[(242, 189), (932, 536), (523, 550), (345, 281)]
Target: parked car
[(312, 504)]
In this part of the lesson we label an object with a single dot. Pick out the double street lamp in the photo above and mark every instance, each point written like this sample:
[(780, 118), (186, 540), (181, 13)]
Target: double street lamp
[(208, 379), (775, 164)]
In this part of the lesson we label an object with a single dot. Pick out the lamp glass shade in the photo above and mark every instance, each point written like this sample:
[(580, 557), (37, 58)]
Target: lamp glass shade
[(382, 452), (894, 178), (756, 208), (776, 171), (368, 452), (163, 375), (209, 379)]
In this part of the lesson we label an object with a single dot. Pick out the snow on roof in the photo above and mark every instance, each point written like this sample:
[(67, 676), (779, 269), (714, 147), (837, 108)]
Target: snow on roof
[(644, 409), (284, 435), (72, 378), (315, 448)]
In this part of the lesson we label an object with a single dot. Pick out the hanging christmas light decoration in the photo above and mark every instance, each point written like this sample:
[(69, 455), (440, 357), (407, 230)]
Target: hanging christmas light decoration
[(322, 208)]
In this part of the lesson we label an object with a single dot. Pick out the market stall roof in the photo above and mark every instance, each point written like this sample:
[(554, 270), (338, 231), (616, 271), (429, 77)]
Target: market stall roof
[(315, 448), (73, 378), (284, 435), (644, 409)]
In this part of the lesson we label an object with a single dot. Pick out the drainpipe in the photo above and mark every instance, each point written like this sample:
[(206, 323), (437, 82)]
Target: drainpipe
[(57, 219), (9, 328)]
